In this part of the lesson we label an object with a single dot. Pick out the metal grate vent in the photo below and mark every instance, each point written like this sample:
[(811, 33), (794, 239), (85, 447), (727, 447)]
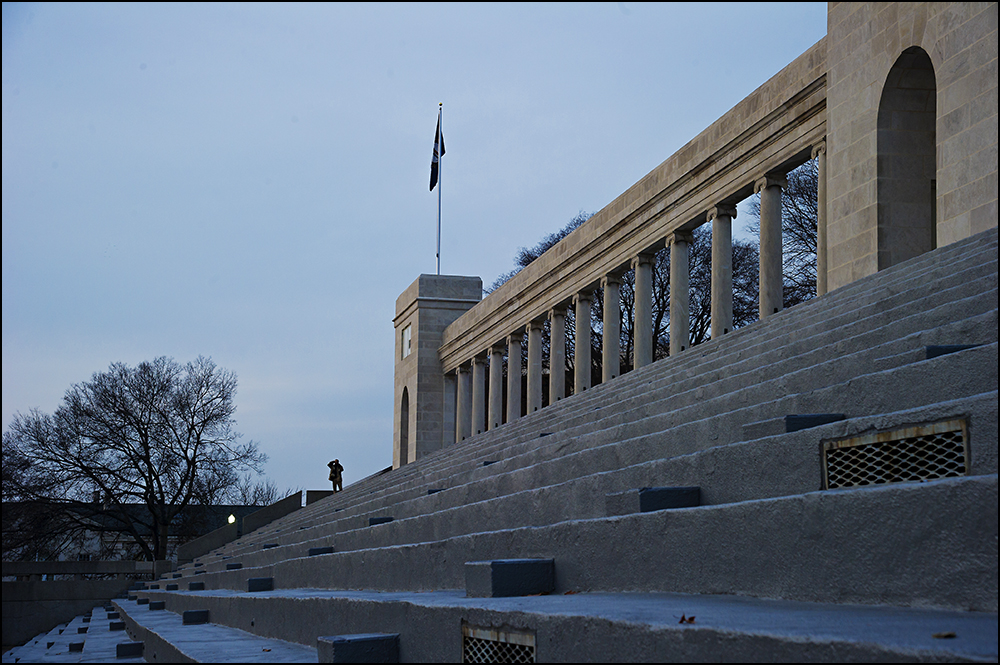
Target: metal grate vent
[(926, 452), (488, 645)]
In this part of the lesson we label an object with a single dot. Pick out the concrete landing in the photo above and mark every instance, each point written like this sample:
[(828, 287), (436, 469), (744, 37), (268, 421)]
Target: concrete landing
[(167, 639), (99, 643), (591, 626)]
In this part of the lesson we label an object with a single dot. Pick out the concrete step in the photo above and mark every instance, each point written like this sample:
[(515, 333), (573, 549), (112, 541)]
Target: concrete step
[(167, 638), (65, 644), (606, 627), (917, 380), (884, 284), (778, 465), (886, 545), (987, 320)]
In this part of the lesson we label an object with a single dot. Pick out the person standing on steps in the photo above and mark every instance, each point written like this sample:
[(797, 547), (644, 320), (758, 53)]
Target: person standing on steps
[(336, 475)]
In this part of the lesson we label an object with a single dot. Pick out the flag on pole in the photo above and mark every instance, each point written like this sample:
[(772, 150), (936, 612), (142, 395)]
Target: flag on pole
[(438, 152)]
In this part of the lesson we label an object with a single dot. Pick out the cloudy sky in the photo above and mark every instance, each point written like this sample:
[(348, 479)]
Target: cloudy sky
[(250, 182)]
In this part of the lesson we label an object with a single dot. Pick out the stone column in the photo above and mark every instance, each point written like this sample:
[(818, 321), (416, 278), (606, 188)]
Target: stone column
[(679, 293), (721, 217), (557, 354), (643, 324), (581, 359), (769, 187), (534, 366), (496, 387), (478, 395), (612, 350), (514, 376), (463, 419), (819, 154)]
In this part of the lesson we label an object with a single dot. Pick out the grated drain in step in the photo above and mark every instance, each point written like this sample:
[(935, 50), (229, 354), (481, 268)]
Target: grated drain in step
[(489, 645), (924, 452)]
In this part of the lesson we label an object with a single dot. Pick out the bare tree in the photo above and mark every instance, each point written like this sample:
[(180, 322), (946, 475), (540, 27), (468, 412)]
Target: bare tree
[(159, 435)]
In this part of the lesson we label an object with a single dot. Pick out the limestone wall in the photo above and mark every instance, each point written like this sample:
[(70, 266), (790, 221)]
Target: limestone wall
[(865, 41)]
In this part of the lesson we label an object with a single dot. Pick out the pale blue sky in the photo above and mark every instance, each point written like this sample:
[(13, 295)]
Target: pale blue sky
[(249, 182)]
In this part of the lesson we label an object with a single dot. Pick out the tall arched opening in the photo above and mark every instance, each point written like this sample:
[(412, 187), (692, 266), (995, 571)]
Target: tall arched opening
[(907, 163), (404, 428)]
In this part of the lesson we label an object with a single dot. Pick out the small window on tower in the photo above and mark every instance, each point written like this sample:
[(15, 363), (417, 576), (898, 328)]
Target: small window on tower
[(407, 340)]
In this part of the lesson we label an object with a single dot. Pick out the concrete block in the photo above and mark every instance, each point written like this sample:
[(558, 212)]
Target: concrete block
[(129, 650), (113, 615), (196, 586), (648, 499), (260, 584), (509, 577), (268, 546), (316, 551), (142, 601), (116, 625), (86, 619), (193, 617), (82, 629), (157, 605), (76, 647), (663, 498), (372, 521), (789, 423), (944, 349), (233, 566), (177, 576), (154, 586), (362, 648), (133, 597), (172, 587), (433, 491)]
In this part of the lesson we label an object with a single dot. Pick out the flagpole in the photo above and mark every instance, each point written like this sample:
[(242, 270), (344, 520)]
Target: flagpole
[(440, 162)]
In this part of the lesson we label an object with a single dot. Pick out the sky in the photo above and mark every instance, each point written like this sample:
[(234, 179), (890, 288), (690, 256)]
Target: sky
[(250, 182)]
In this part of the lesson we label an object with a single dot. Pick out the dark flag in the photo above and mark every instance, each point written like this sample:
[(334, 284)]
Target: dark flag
[(438, 152)]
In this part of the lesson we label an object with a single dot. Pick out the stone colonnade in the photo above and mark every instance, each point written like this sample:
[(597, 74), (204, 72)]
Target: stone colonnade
[(474, 416)]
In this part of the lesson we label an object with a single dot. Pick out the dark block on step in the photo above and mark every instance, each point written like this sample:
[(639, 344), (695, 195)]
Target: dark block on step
[(372, 521), (113, 615), (432, 491), (490, 461), (154, 586), (268, 546), (171, 587), (199, 564), (663, 498), (796, 422), (360, 648), (86, 619), (178, 575), (233, 566), (143, 601), (157, 604), (509, 577), (945, 349), (260, 584), (76, 647), (133, 597), (316, 551), (192, 617), (129, 650), (196, 586), (82, 629), (116, 625)]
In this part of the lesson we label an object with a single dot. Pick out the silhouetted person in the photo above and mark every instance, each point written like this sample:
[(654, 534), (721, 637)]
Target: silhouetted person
[(336, 475)]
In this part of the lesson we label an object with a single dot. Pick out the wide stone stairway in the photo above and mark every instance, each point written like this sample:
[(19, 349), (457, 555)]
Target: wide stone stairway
[(821, 485)]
